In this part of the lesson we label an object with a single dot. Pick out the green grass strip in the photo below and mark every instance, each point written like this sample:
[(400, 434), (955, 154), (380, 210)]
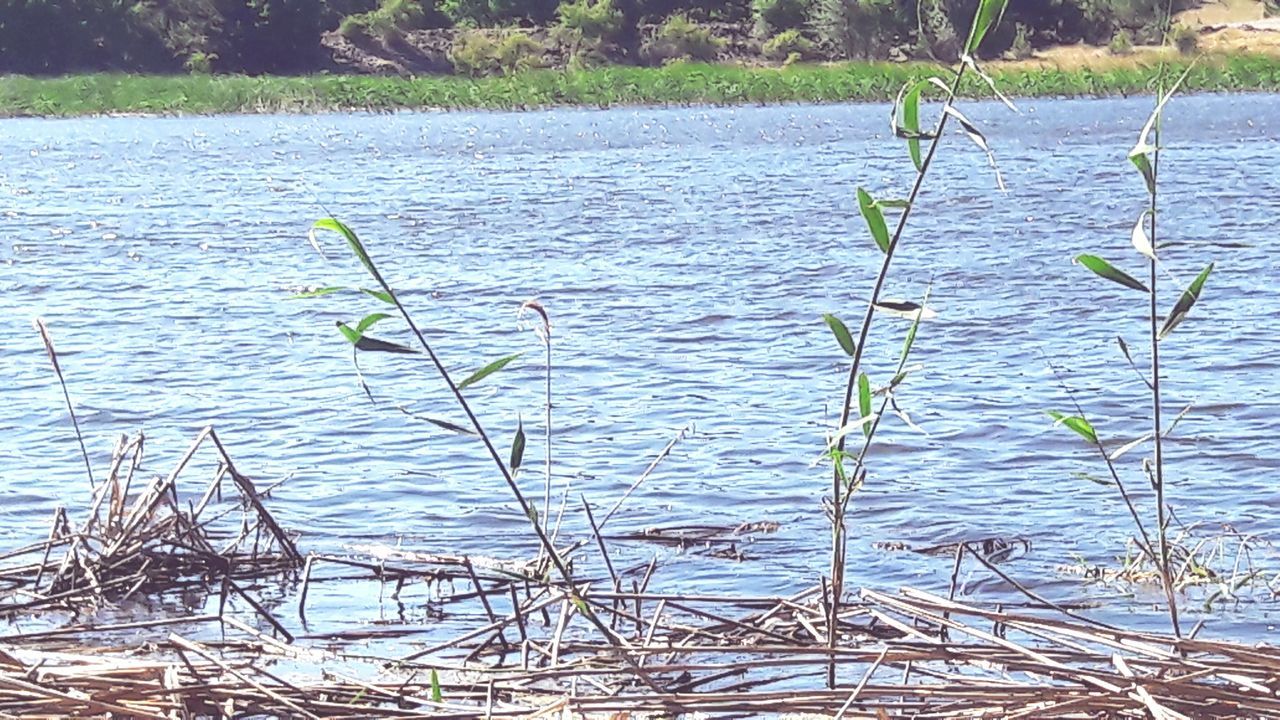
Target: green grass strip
[(677, 84)]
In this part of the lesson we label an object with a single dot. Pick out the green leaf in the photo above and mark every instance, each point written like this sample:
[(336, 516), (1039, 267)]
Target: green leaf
[(384, 297), (349, 235), (911, 338), (1106, 270), (864, 400), (352, 336), (911, 123), (1185, 302), (987, 17), (316, 293), (436, 694), (369, 344), (1078, 424), (369, 321), (446, 425), (842, 334), (875, 220), (1143, 163), (487, 370), (517, 447), (1141, 152)]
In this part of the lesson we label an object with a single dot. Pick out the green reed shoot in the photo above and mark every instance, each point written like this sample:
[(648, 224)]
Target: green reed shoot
[(1145, 157), (848, 469), (507, 469)]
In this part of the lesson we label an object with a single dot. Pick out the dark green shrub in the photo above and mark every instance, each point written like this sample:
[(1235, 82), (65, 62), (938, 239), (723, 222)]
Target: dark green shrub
[(787, 43), (518, 52), (484, 13), (591, 19), (479, 53), (859, 28), (1121, 43), (199, 63), (774, 16), (386, 22), (680, 37)]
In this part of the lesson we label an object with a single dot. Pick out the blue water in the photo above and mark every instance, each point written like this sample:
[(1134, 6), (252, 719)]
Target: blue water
[(686, 257)]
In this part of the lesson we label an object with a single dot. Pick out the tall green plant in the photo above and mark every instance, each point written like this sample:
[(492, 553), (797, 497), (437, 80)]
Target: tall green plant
[(1145, 157), (849, 470), (506, 468)]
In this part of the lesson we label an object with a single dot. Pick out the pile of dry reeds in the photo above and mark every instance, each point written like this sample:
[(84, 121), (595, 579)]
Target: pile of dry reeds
[(907, 655), (532, 651), (145, 541)]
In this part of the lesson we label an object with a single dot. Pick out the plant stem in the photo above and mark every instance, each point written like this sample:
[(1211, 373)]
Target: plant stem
[(1161, 529), (528, 509), (838, 503), (71, 410)]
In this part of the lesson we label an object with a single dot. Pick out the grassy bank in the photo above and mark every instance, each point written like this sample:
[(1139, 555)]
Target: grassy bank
[(675, 84)]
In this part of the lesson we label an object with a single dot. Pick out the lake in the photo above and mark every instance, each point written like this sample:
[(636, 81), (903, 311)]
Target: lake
[(686, 257)]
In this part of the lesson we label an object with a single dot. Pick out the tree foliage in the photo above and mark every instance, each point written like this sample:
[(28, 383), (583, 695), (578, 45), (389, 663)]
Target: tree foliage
[(284, 36)]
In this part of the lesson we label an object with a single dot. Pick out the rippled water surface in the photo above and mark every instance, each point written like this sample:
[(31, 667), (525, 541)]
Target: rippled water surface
[(686, 257)]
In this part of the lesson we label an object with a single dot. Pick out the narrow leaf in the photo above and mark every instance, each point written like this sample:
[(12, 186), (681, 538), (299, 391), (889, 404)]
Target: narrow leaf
[(369, 321), (835, 438), (864, 400), (443, 424), (987, 17), (978, 139), (1185, 302), (906, 309), (842, 334), (349, 235), (352, 336), (1140, 154), (1143, 163), (1118, 452), (368, 344), (895, 203), (517, 447), (1124, 350), (991, 84), (1077, 424), (915, 326), (911, 123), (384, 297), (316, 293), (1104, 269), (1141, 242), (875, 220), (487, 370), (436, 694)]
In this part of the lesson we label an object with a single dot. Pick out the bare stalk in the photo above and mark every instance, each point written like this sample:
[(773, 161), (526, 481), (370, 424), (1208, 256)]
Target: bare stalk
[(57, 369), (1161, 522)]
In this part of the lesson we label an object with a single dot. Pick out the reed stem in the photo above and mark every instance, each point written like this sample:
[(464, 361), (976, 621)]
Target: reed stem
[(1162, 535), (838, 501)]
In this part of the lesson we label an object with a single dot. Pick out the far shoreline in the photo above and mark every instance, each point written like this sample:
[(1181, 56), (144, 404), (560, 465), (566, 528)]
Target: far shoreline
[(676, 85)]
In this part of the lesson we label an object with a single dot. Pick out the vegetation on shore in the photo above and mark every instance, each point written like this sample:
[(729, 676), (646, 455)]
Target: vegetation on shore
[(674, 84), (288, 36)]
